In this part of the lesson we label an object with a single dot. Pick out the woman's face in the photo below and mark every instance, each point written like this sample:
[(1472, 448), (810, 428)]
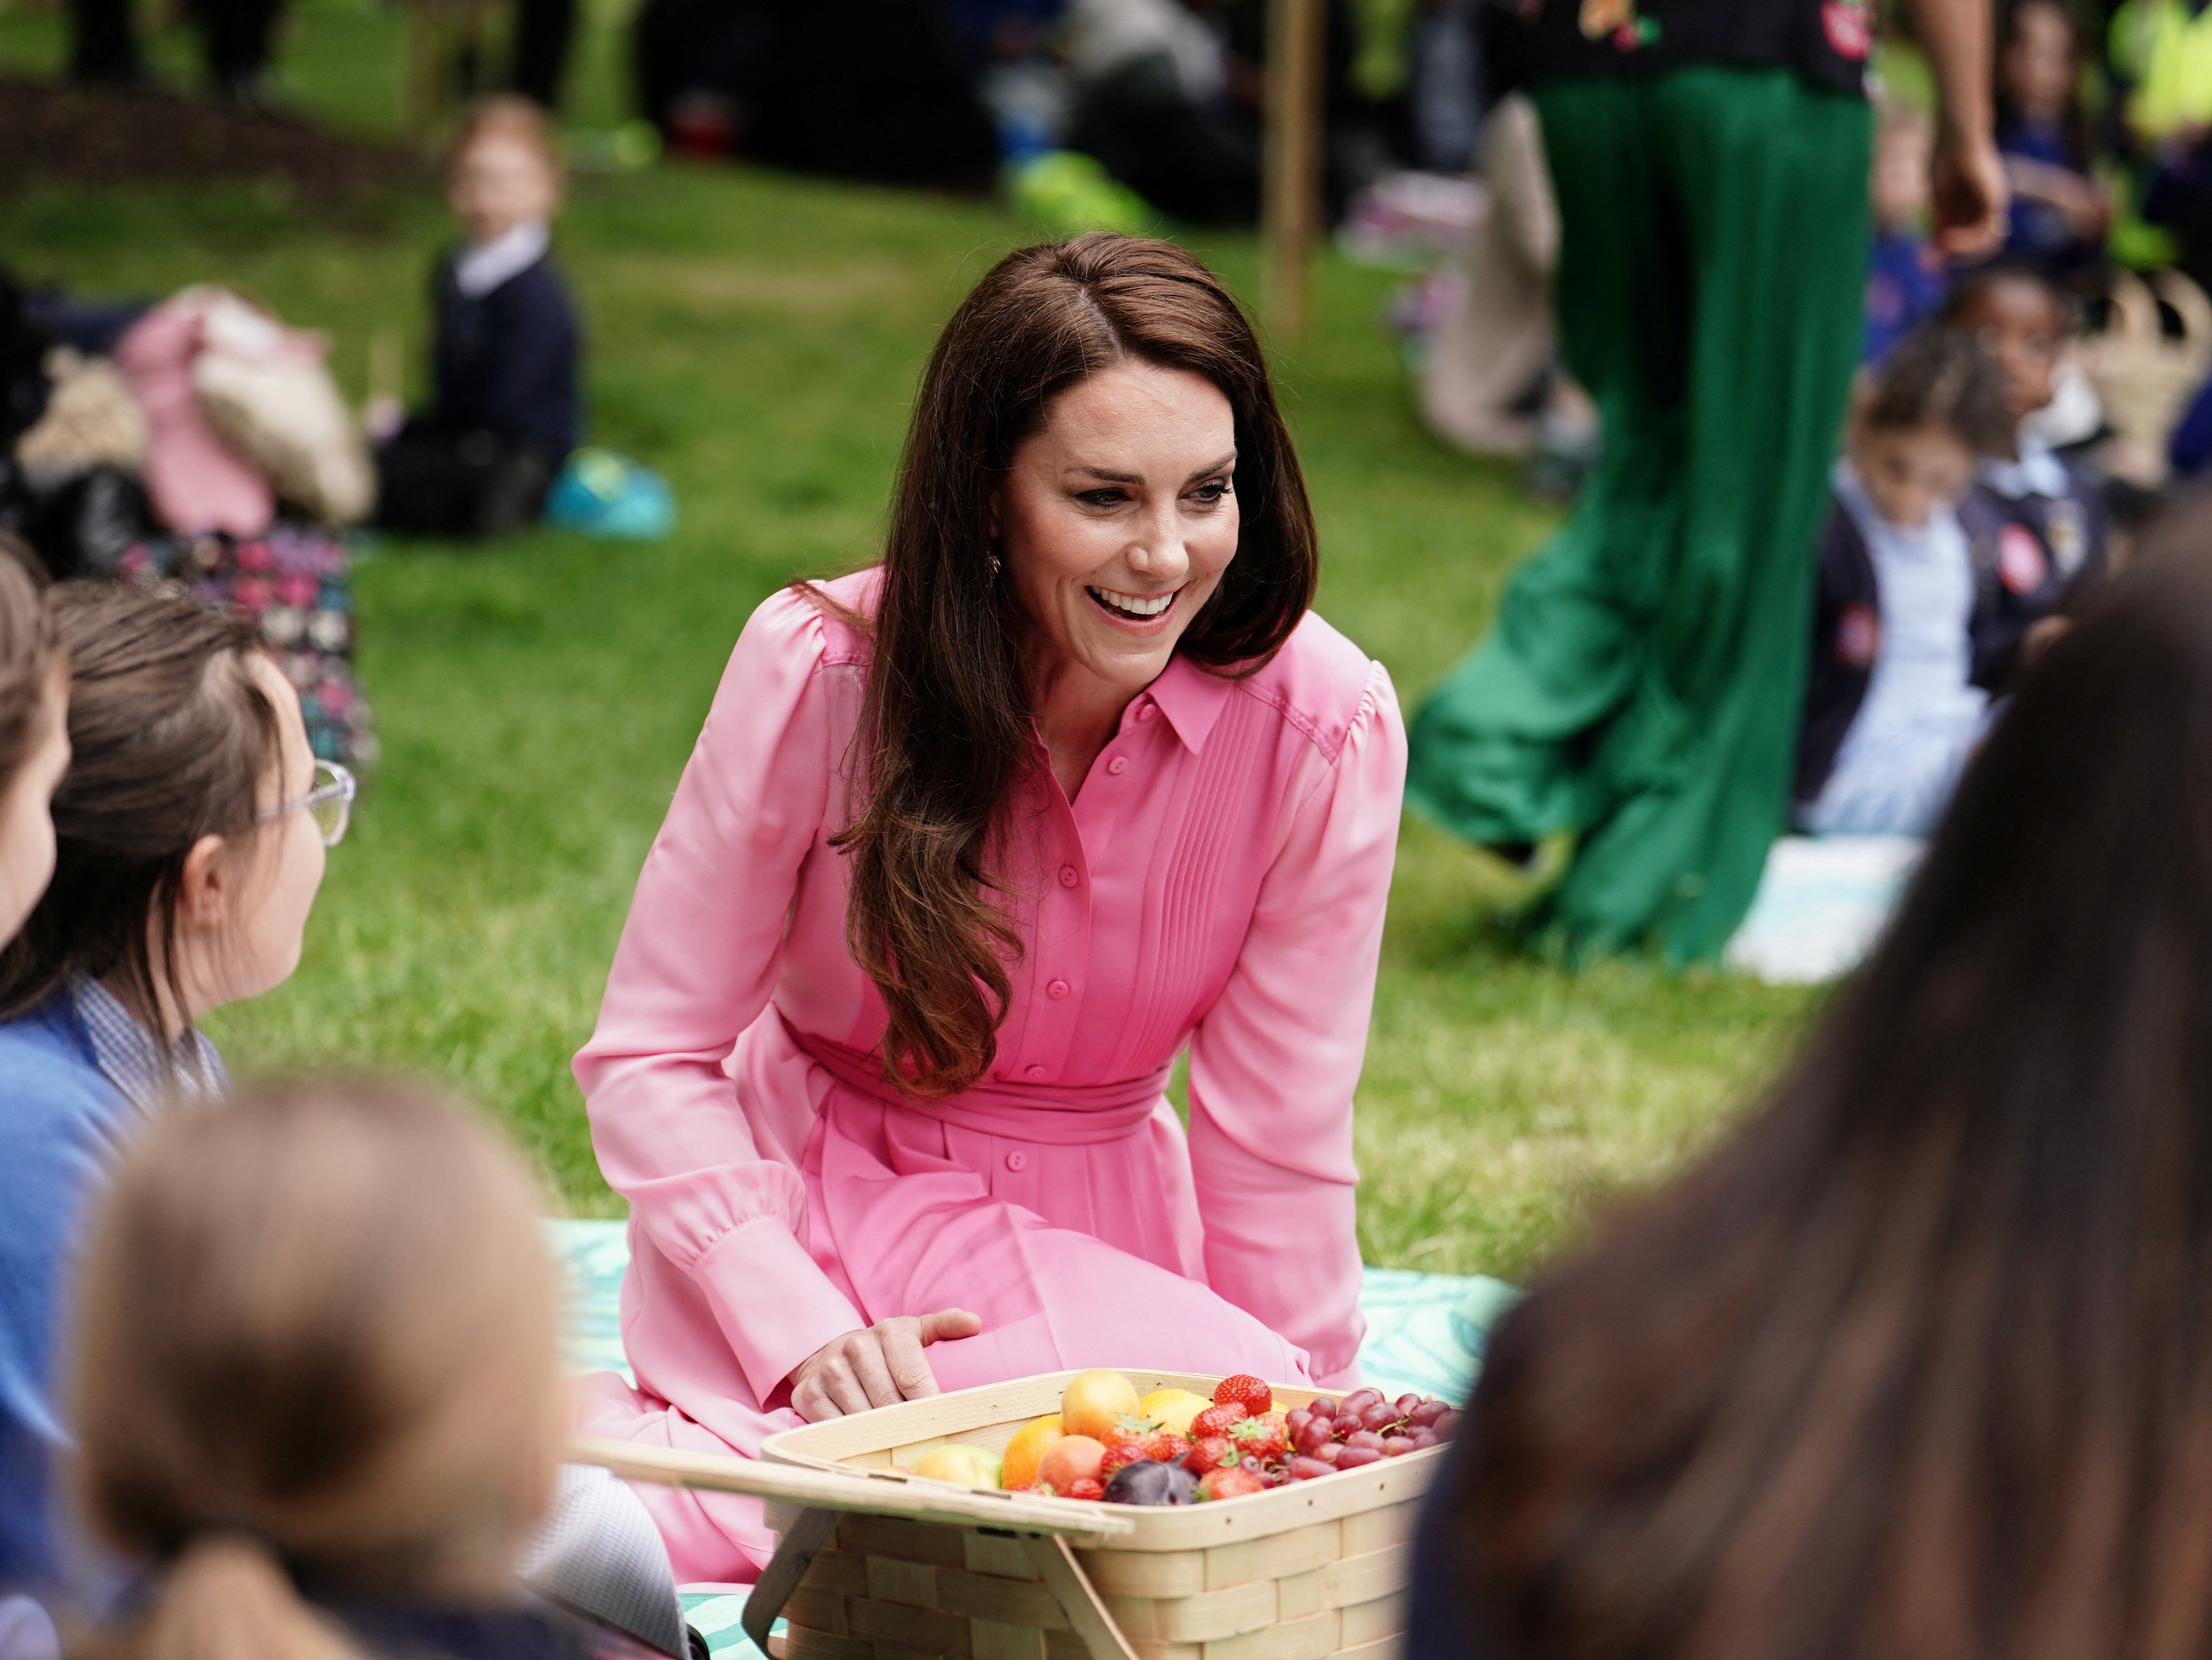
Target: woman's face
[(26, 823), (1117, 518), (256, 945)]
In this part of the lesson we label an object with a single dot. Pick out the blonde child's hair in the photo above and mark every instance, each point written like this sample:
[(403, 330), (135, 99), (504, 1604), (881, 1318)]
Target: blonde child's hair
[(317, 1335), (505, 115)]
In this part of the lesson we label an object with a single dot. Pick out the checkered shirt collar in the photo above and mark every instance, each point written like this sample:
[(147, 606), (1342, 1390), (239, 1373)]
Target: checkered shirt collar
[(130, 1057)]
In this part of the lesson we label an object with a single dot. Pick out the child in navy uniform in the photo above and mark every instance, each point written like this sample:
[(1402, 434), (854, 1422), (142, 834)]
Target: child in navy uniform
[(1891, 712), (2035, 522), (504, 407)]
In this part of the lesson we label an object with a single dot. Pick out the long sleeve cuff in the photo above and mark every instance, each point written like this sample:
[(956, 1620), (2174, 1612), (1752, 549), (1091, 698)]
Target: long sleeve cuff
[(774, 1305)]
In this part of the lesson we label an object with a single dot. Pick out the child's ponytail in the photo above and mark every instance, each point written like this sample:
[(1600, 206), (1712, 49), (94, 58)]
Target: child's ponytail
[(227, 1597)]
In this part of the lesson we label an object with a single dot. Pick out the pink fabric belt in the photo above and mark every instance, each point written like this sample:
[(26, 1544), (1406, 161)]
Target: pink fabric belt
[(1064, 1114)]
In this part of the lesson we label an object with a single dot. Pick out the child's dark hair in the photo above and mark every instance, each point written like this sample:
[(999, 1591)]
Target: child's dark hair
[(26, 658), (171, 740), (1939, 376), (1969, 288)]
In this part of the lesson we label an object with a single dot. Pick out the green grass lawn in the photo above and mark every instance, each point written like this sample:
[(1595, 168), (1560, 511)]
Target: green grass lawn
[(758, 338)]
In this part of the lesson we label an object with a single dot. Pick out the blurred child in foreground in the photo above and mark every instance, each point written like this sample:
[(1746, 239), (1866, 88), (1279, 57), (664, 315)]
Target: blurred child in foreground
[(2035, 521), (1915, 1363), (316, 1383), (504, 403), (2059, 211), (1891, 712)]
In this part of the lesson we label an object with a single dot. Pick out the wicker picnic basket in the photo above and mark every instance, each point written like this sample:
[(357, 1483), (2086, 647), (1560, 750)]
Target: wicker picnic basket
[(876, 1566)]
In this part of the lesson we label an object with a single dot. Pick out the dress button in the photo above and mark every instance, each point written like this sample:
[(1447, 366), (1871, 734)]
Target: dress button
[(1118, 765), (1068, 879), (1017, 1160), (1034, 1072), (1056, 990), (1147, 711)]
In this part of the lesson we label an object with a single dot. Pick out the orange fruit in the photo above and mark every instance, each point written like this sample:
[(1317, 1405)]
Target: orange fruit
[(1026, 1450), (1095, 1400)]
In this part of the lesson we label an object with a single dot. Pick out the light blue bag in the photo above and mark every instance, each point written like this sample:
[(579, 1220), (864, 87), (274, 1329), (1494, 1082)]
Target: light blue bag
[(601, 493)]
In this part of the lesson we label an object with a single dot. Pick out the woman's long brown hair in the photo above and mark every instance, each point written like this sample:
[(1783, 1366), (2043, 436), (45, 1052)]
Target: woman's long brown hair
[(945, 737), (1918, 1365)]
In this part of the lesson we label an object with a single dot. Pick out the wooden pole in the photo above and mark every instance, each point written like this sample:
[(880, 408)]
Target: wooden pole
[(1291, 204)]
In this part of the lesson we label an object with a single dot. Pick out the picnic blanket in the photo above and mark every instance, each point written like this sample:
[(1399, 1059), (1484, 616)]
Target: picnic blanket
[(1424, 1333), (1823, 903)]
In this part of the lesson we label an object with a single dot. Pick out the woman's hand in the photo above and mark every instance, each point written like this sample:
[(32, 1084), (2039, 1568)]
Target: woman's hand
[(877, 1366)]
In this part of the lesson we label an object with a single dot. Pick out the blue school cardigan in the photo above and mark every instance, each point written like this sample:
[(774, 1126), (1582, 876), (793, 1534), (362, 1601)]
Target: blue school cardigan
[(70, 1070)]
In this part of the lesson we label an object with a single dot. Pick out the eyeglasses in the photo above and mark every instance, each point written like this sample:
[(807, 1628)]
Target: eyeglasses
[(331, 802)]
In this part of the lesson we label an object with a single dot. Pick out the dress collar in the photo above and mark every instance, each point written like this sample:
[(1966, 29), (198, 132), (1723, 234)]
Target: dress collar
[(130, 1057), (1191, 697)]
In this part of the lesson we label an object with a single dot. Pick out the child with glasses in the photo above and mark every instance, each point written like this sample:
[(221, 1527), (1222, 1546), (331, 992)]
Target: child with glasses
[(189, 830)]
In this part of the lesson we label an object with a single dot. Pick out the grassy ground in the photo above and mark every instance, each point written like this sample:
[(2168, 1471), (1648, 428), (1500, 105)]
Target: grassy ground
[(758, 338)]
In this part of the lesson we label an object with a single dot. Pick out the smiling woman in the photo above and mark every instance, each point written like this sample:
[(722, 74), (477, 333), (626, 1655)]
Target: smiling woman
[(973, 843)]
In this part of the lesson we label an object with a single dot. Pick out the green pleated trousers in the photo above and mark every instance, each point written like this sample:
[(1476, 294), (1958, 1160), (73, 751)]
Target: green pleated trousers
[(1643, 683)]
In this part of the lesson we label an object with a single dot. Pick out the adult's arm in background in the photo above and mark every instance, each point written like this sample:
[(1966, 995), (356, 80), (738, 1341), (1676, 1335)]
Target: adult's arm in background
[(1971, 194), (1274, 1062)]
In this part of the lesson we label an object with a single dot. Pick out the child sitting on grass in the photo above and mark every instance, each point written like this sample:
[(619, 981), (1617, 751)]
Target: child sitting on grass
[(190, 830), (504, 408), (2035, 521), (2059, 211), (1890, 712), (316, 1383)]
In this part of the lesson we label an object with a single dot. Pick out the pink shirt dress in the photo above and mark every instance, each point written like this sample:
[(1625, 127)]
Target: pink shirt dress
[(1217, 883)]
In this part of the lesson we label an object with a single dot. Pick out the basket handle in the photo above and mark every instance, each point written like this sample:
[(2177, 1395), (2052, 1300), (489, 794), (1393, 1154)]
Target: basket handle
[(870, 1493), (794, 1553), (1079, 1598)]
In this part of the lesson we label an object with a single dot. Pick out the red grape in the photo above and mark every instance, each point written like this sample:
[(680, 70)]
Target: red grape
[(1405, 1403), (1346, 1424), (1360, 1400), (1321, 1406), (1429, 1411), (1304, 1469), (1447, 1421), (1381, 1415), (1296, 1420), (1365, 1440), (1312, 1435), (1352, 1457), (1328, 1452), (1397, 1446), (1423, 1437)]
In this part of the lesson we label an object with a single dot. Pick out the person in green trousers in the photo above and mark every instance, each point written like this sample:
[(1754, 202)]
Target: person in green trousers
[(1643, 682)]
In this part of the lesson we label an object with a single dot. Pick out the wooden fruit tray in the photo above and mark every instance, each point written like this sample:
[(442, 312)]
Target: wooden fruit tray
[(875, 1565)]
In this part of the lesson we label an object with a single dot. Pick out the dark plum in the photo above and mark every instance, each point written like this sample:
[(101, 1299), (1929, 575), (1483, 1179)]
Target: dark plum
[(1148, 1482)]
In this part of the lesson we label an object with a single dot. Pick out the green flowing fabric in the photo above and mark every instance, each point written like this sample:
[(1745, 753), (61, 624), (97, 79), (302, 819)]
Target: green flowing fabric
[(1644, 682)]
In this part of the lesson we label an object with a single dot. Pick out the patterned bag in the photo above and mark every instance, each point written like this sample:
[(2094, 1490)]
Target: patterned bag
[(294, 584)]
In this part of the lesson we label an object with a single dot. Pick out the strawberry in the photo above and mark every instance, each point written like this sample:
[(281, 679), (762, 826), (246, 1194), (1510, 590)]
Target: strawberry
[(1086, 1488), (1166, 1446), (1119, 1455), (1247, 1391), (1216, 1419), (1209, 1453), (1231, 1482), (1267, 1438)]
